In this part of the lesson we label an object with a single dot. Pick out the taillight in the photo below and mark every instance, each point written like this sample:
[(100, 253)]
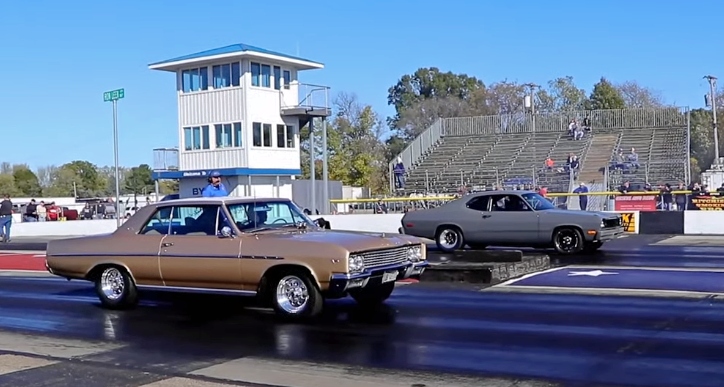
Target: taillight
[(409, 225)]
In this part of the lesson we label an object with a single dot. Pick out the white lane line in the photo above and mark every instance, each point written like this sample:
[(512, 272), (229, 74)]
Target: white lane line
[(16, 363), (514, 280), (49, 346)]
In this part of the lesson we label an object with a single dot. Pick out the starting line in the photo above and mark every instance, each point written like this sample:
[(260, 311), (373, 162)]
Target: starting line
[(615, 280)]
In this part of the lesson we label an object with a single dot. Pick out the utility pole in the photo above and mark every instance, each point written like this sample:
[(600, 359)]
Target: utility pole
[(712, 101)]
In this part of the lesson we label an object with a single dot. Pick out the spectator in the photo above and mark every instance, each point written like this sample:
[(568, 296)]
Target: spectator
[(31, 212), (575, 164), (549, 163), (680, 198), (667, 199), (380, 207), (578, 133), (587, 124), (582, 199), (720, 190), (215, 188), (42, 213), (633, 158), (399, 172), (6, 218), (619, 161), (625, 188), (572, 127), (543, 191)]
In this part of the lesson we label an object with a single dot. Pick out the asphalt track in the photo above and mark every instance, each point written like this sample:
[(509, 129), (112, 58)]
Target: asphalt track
[(634, 315)]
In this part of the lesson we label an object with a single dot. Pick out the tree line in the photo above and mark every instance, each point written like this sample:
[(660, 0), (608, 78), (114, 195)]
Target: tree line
[(78, 178), (362, 143)]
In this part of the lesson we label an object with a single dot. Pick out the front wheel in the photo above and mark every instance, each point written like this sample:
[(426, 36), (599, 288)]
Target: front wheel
[(373, 296), (449, 239), (116, 288), (568, 241), (296, 296)]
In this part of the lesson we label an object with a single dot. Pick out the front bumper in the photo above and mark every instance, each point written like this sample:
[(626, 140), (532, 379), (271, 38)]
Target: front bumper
[(341, 283), (608, 234)]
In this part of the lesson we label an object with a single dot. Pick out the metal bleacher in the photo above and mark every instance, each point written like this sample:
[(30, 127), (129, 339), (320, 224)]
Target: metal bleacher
[(495, 151)]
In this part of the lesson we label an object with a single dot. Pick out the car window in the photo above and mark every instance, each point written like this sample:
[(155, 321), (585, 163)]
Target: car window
[(270, 214), (159, 223), (538, 202), (479, 203), (195, 220), (509, 203)]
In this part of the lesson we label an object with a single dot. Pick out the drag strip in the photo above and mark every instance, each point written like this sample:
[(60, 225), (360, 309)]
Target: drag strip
[(569, 339)]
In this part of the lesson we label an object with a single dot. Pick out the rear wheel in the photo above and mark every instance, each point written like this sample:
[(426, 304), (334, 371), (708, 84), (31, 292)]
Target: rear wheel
[(449, 239), (373, 296), (116, 288), (294, 295)]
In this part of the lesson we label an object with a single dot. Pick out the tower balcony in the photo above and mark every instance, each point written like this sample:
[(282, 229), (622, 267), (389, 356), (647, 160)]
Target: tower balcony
[(305, 101)]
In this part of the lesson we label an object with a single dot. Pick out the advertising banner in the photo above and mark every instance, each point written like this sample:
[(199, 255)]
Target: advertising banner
[(635, 203), (707, 203), (630, 220)]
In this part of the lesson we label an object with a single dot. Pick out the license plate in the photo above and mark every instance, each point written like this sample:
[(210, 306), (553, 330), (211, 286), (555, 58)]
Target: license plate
[(389, 276)]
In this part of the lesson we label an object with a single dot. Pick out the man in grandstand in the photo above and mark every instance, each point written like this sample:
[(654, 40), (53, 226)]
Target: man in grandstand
[(399, 172)]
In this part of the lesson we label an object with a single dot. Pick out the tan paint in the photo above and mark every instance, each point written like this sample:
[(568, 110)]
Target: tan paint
[(150, 262)]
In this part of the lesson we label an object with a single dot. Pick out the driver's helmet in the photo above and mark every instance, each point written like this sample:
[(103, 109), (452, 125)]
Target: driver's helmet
[(261, 215)]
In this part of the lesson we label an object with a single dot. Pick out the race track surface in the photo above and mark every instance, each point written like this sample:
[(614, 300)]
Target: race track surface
[(591, 321)]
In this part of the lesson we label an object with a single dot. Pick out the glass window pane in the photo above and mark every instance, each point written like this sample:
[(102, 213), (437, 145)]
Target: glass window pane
[(195, 81), (235, 74), (290, 136), (227, 134), (204, 75), (226, 75), (267, 135), (287, 78), (237, 134), (186, 81), (256, 129), (197, 137), (206, 141), (265, 76), (255, 74), (281, 141), (218, 134), (188, 139), (277, 77)]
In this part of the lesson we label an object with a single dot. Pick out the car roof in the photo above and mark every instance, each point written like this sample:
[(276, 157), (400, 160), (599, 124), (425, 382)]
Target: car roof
[(217, 200), (501, 192)]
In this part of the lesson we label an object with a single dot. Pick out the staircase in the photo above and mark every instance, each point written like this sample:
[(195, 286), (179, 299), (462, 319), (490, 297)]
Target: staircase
[(597, 157)]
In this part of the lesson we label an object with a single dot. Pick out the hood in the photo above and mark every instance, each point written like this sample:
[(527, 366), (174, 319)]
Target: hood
[(352, 241), (605, 215)]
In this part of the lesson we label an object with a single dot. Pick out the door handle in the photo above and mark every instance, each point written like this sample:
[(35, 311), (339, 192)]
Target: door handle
[(486, 216), (166, 244)]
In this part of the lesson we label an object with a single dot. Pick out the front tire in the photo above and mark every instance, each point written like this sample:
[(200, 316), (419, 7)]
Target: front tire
[(295, 295), (449, 239), (374, 296), (116, 289), (568, 241)]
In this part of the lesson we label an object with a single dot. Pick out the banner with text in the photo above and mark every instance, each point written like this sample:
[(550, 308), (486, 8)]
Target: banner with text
[(707, 203), (636, 203)]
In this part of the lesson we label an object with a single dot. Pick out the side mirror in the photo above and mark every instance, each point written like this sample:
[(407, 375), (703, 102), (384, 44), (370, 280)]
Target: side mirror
[(226, 232)]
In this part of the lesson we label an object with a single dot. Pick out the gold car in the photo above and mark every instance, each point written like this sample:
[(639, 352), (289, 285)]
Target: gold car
[(255, 247)]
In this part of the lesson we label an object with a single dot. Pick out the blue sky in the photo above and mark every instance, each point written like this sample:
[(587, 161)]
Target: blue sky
[(61, 56)]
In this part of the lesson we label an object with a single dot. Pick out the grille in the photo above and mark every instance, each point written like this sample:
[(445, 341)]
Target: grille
[(384, 257), (612, 222)]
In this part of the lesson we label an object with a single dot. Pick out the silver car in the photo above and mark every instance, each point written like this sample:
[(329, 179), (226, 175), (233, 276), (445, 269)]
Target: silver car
[(512, 218)]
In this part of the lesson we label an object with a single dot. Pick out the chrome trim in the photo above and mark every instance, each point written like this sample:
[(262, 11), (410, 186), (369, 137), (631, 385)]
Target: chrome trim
[(182, 289), (342, 280)]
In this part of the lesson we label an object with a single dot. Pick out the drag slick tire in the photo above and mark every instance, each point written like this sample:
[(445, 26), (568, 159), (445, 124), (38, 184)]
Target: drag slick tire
[(449, 239), (115, 287), (294, 295), (373, 296), (568, 240)]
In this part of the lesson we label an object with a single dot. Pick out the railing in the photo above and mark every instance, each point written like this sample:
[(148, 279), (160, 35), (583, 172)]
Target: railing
[(303, 95), (165, 159), (417, 148)]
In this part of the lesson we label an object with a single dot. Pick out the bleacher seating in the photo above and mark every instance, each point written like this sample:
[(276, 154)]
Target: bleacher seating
[(492, 157)]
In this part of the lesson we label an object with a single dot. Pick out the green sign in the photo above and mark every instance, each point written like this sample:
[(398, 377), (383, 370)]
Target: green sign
[(113, 95)]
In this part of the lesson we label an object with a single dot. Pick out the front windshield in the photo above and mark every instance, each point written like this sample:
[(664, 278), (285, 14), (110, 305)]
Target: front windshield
[(267, 214), (538, 202)]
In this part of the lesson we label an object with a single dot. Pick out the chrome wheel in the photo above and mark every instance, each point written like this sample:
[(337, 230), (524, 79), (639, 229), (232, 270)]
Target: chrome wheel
[(112, 283), (292, 294), (448, 239)]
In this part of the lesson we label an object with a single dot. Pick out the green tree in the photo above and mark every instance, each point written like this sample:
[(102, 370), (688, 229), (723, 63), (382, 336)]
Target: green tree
[(426, 83), (7, 185), (562, 94), (79, 177), (605, 96), (26, 181), (167, 187), (636, 95), (139, 180)]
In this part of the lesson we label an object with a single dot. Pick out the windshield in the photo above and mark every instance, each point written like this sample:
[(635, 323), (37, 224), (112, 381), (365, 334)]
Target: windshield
[(267, 214), (538, 202)]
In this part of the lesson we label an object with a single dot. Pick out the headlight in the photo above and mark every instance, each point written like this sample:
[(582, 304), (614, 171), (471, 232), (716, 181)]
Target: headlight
[(356, 264), (414, 253), (603, 223)]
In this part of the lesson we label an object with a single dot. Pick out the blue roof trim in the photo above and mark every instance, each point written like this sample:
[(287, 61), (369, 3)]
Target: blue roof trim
[(241, 47), (226, 172)]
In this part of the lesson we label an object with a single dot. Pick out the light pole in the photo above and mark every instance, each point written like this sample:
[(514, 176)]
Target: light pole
[(113, 96), (712, 101)]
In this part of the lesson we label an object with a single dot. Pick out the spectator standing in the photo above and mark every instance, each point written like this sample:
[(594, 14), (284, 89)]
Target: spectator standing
[(667, 199), (399, 172), (6, 218), (215, 188), (582, 199)]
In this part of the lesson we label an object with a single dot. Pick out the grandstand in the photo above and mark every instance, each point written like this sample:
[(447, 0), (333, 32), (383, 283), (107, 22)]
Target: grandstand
[(510, 150)]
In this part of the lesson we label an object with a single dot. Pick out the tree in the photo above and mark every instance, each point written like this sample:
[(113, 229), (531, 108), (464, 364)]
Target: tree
[(139, 180), (79, 177), (7, 185), (507, 97), (605, 96), (167, 187), (45, 175), (561, 95), (26, 181), (426, 83), (638, 96)]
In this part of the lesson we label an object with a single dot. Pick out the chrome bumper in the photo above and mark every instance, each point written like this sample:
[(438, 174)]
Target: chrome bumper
[(340, 283), (608, 234)]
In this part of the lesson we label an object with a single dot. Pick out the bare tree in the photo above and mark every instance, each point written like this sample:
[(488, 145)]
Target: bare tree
[(638, 96)]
